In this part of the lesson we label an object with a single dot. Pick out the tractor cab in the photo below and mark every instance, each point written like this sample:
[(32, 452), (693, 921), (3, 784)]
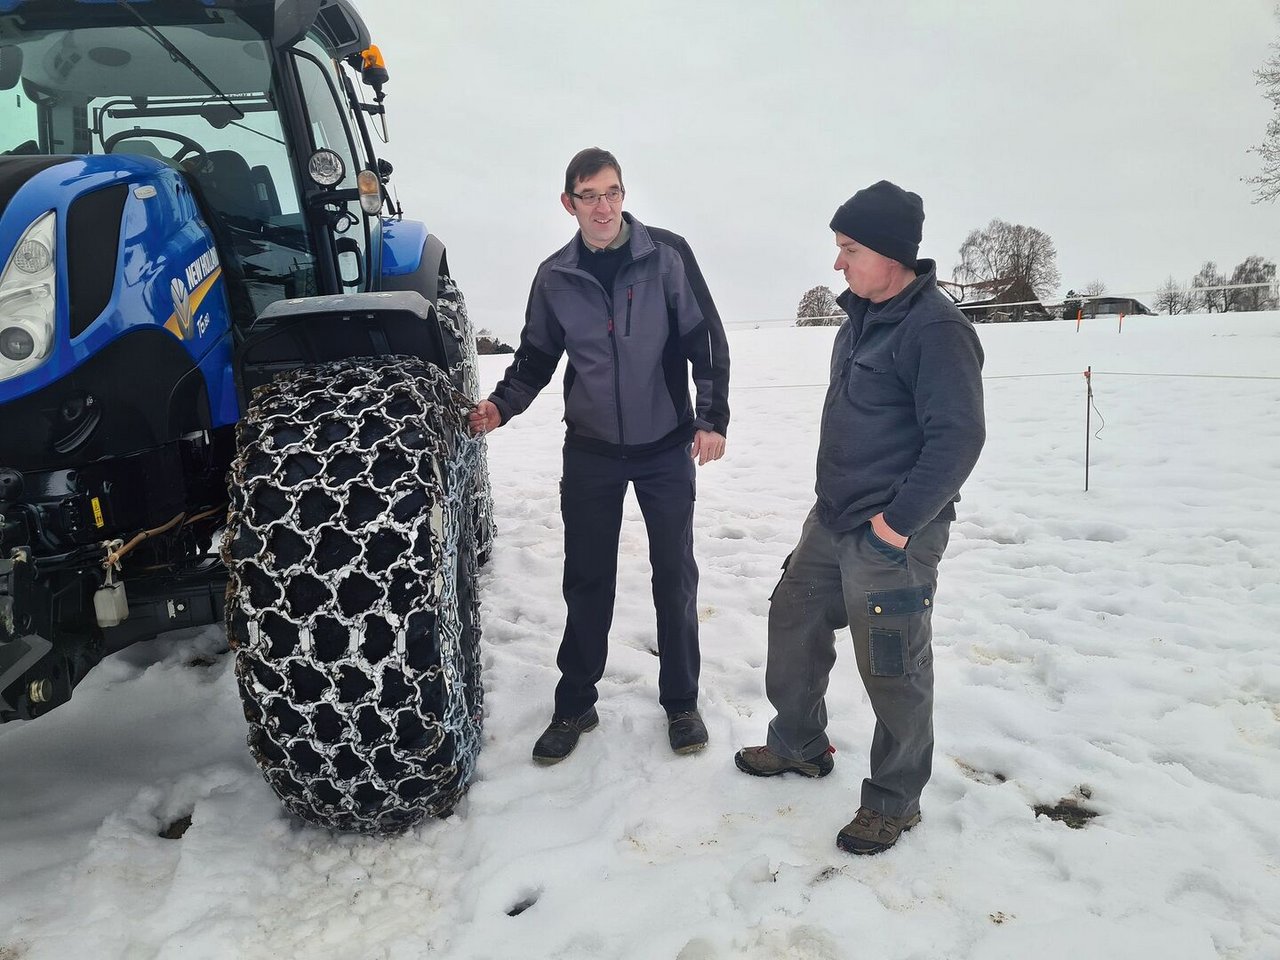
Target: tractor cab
[(258, 104)]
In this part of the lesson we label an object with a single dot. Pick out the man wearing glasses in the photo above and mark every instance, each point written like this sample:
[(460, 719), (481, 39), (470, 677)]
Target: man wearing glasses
[(629, 306)]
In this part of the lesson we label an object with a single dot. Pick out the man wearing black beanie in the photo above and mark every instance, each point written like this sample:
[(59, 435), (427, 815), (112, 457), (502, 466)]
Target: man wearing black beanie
[(902, 427)]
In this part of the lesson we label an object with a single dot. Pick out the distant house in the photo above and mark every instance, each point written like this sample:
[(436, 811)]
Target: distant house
[(1110, 306), (996, 301)]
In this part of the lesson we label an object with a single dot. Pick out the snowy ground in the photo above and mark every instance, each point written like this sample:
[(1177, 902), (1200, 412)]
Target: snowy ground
[(1116, 647)]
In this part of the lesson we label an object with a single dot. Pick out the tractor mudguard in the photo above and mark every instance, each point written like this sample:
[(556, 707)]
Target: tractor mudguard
[(412, 258)]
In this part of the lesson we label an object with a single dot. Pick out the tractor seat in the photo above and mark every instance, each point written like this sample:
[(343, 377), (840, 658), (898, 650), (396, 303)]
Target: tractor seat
[(229, 186)]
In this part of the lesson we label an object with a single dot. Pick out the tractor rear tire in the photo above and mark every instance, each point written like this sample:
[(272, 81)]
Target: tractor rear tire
[(352, 602)]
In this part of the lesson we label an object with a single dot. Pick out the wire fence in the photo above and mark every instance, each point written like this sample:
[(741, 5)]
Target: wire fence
[(1083, 300)]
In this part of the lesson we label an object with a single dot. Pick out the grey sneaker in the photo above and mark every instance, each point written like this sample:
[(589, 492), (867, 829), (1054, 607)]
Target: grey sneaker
[(763, 762), (561, 736), (870, 831)]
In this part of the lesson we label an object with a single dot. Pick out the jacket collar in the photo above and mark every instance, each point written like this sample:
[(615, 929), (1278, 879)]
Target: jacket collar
[(641, 246), (895, 308)]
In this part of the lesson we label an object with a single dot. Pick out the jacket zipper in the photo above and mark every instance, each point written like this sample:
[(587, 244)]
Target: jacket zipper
[(617, 383), (629, 292)]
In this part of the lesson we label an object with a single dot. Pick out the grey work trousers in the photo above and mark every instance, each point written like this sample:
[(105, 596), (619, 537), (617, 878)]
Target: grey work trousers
[(885, 596)]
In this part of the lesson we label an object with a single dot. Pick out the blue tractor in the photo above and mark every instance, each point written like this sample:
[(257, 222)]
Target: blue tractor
[(233, 387)]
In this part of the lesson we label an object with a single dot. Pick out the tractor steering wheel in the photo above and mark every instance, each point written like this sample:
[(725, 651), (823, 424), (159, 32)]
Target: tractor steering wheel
[(188, 145)]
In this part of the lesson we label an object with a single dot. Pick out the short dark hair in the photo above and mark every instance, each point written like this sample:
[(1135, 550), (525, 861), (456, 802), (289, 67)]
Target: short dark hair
[(587, 163)]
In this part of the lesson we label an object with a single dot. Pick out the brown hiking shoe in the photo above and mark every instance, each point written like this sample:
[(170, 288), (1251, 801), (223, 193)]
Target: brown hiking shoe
[(763, 762), (872, 832)]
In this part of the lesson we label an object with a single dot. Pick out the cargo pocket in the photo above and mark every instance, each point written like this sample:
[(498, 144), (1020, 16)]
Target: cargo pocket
[(895, 618)]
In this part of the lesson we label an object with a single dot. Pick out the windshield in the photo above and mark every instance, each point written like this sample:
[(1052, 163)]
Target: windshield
[(112, 85)]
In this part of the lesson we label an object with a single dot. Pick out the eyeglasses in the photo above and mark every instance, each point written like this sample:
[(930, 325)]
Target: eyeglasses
[(591, 198)]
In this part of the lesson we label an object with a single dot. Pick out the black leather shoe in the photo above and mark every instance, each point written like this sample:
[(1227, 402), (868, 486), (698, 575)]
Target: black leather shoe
[(686, 731), (561, 736)]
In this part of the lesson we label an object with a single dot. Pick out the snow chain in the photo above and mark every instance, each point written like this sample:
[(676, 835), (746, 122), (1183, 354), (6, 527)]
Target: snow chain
[(360, 674), (452, 310)]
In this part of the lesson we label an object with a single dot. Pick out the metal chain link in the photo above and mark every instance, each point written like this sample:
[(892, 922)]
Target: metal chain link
[(452, 310)]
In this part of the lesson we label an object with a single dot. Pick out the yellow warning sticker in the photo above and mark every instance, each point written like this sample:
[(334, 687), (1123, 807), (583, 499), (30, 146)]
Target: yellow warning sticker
[(97, 513)]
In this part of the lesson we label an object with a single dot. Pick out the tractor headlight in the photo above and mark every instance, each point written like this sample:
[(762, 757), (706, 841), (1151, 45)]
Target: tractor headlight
[(326, 168), (27, 299)]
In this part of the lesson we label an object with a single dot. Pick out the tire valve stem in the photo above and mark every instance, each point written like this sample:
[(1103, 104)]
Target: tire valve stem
[(40, 691)]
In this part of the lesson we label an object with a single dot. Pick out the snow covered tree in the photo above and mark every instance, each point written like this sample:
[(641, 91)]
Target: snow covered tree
[(1172, 298), (818, 308), (1267, 182), (1094, 288), (1254, 269), (1009, 251), (1212, 301)]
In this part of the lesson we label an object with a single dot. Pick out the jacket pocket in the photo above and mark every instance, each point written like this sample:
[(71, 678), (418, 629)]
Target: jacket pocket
[(873, 380)]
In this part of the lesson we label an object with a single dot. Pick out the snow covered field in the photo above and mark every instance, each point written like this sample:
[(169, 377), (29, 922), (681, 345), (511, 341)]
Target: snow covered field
[(1116, 648)]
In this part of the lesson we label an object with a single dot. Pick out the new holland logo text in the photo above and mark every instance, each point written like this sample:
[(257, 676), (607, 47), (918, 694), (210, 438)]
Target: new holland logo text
[(203, 265), (187, 294)]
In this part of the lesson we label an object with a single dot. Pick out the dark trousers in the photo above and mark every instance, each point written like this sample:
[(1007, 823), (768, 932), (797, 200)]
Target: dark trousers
[(885, 597), (591, 497)]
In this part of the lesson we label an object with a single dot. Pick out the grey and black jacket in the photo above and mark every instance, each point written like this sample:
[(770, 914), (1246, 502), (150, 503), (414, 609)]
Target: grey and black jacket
[(902, 425), (630, 348)]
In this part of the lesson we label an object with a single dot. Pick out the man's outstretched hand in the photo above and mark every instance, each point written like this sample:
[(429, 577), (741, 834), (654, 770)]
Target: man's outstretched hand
[(707, 446), (484, 416)]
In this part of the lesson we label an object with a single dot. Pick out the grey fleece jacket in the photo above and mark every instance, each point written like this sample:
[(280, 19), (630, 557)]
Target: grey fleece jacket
[(902, 424), (630, 349)]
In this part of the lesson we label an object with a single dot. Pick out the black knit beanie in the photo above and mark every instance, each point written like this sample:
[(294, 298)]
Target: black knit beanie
[(885, 218)]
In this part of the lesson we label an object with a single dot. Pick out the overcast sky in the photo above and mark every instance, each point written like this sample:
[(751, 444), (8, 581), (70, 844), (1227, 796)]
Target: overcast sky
[(1118, 127)]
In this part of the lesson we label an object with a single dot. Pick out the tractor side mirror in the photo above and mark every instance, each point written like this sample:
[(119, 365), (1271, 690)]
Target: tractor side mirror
[(10, 66), (350, 255)]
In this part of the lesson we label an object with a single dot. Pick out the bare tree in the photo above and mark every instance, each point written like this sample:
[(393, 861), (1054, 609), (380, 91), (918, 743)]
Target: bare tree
[(1094, 288), (1267, 182), (818, 308), (1213, 301), (1010, 251), (1172, 298), (1254, 269)]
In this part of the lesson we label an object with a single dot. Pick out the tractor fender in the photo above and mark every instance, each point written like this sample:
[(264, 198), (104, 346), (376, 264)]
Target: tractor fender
[(412, 258)]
